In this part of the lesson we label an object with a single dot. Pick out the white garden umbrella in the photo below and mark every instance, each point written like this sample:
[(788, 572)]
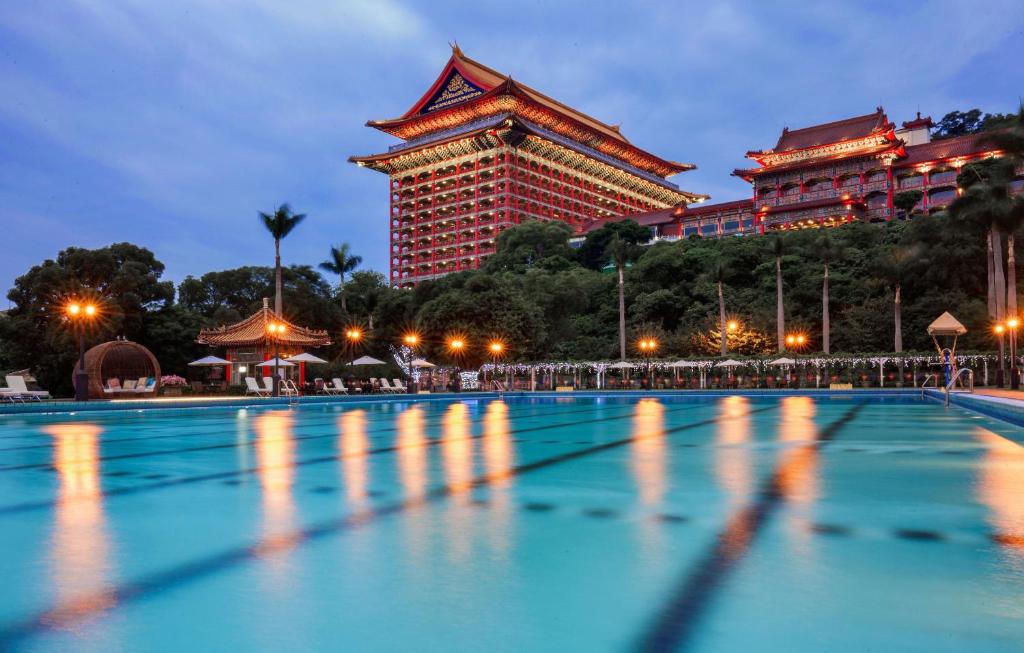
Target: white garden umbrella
[(684, 364), (307, 358), (729, 363), (621, 365), (783, 361), (366, 360), (279, 362), (419, 362), (209, 361)]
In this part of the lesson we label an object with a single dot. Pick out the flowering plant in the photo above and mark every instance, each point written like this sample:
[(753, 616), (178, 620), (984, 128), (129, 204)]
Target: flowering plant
[(172, 381)]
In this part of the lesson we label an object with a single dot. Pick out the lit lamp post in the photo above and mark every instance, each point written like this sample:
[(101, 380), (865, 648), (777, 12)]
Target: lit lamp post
[(353, 336), (81, 315), (999, 329), (647, 348), (1013, 323), (496, 349), (275, 331), (411, 340), (456, 347), (732, 326)]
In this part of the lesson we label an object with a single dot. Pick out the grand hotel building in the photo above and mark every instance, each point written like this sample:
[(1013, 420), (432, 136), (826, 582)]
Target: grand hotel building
[(480, 152)]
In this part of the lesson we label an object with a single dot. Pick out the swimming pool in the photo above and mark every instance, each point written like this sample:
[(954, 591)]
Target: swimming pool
[(572, 523)]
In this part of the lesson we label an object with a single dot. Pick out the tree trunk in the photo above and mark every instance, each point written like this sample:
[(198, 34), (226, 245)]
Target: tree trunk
[(1011, 277), (721, 320), (898, 318), (277, 277), (780, 314), (824, 313), (991, 277), (997, 267), (341, 293), (622, 315)]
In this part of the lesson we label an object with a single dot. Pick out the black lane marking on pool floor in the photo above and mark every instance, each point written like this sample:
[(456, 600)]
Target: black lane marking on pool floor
[(438, 420), (676, 622), (112, 598), (234, 473)]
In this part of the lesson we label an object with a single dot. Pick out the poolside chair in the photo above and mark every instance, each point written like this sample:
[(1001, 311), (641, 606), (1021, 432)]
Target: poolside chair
[(386, 387), (338, 387), (253, 388), (268, 384), (17, 383), (399, 386), (6, 394)]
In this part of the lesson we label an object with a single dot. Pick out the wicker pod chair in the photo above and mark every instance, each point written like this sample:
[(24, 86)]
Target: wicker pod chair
[(122, 360)]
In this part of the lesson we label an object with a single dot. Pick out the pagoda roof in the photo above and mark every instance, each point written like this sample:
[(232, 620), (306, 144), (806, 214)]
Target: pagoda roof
[(467, 90), (834, 132), (869, 150), (253, 330), (969, 145), (812, 204)]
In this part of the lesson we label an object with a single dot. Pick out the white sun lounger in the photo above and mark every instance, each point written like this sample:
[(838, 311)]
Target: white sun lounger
[(399, 386), (17, 384), (385, 386), (337, 387), (253, 388)]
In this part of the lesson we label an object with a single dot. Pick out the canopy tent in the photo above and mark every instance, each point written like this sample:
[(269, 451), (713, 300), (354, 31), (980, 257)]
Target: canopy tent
[(419, 362), (367, 360), (678, 364), (209, 361), (275, 362), (783, 361), (621, 365), (307, 358), (946, 325), (729, 363)]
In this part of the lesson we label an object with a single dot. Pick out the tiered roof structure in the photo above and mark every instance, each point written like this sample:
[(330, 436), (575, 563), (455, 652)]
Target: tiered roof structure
[(482, 152)]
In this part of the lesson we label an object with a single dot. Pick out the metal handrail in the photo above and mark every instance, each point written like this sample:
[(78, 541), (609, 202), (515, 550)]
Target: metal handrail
[(933, 377), (960, 372)]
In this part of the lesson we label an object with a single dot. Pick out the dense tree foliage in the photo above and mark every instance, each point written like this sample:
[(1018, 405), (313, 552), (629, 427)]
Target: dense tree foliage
[(973, 121)]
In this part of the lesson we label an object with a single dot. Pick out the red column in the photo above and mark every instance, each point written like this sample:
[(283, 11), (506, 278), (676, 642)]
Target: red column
[(302, 373), (889, 191), (227, 369), (266, 370)]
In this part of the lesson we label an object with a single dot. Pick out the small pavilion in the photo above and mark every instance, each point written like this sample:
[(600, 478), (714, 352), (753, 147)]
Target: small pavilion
[(250, 342)]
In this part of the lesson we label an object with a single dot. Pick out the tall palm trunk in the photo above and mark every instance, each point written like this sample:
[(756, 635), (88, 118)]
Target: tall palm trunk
[(721, 320), (780, 314), (1011, 277), (622, 314), (991, 277), (898, 319), (997, 268), (824, 313), (341, 292), (277, 277)]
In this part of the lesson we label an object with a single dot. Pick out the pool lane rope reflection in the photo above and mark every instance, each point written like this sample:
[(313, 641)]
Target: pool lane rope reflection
[(675, 624), (71, 613)]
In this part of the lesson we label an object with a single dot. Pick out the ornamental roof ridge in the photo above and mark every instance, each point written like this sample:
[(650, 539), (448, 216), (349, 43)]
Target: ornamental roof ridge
[(254, 329), (830, 132)]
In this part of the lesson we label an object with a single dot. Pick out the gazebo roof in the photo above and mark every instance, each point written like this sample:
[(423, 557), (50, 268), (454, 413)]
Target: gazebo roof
[(253, 330)]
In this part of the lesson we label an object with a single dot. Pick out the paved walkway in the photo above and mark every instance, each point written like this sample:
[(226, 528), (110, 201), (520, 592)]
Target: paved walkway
[(1002, 393)]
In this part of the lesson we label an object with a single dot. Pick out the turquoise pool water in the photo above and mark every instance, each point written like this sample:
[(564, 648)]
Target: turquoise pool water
[(542, 524)]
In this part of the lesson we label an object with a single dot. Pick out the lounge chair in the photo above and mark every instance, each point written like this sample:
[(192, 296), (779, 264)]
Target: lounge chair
[(337, 387), (386, 387), (253, 388), (399, 386), (268, 384), (17, 384), (6, 394)]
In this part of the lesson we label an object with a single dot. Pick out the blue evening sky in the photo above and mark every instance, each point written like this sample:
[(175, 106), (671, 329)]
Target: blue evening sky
[(171, 123)]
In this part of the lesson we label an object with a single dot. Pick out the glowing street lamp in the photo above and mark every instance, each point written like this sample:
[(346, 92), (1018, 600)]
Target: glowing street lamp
[(732, 326), (1013, 324), (496, 348), (456, 347), (411, 340), (276, 331), (999, 330), (353, 336), (81, 314), (647, 347)]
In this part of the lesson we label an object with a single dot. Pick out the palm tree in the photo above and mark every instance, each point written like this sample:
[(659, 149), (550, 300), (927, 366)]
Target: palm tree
[(1010, 141), (718, 273), (341, 263), (828, 252), (619, 251), (280, 223), (779, 249), (894, 270)]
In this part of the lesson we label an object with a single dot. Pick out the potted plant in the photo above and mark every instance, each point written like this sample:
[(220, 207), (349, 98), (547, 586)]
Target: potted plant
[(172, 385)]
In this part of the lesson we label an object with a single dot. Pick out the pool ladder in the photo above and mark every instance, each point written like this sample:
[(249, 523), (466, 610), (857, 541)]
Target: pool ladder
[(949, 386)]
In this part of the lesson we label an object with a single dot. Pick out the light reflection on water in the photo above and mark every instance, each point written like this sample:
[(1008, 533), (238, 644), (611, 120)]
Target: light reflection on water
[(457, 456), (499, 458), (733, 463), (81, 552), (355, 467), (1000, 488), (799, 469), (648, 453), (275, 454)]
